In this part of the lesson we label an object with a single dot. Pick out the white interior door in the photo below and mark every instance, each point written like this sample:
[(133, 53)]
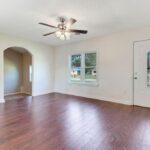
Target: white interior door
[(142, 73)]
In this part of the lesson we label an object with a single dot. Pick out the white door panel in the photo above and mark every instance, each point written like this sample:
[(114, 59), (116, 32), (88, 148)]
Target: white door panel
[(141, 83)]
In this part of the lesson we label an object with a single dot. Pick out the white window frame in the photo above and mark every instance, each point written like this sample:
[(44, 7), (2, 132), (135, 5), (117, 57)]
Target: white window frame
[(82, 78)]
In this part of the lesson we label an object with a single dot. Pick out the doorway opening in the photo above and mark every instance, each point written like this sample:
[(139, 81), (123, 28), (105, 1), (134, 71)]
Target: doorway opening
[(18, 73)]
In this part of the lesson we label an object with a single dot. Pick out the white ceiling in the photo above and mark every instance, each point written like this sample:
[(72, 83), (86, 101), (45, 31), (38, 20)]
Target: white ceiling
[(100, 17)]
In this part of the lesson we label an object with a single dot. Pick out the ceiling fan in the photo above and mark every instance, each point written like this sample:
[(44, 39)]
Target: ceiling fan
[(63, 29)]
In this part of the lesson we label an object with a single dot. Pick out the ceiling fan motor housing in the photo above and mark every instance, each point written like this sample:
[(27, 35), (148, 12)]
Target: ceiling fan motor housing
[(61, 27)]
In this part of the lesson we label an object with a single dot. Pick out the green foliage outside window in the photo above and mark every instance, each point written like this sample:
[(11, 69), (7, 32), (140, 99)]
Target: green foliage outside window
[(76, 61), (90, 59)]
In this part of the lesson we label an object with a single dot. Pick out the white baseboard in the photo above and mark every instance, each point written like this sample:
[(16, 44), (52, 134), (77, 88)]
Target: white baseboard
[(18, 93), (116, 101), (40, 94), (27, 93), (100, 98), (2, 101), (12, 93)]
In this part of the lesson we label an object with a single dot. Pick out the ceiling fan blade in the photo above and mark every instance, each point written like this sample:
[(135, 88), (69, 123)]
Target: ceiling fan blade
[(70, 22), (41, 23), (78, 31), (48, 33)]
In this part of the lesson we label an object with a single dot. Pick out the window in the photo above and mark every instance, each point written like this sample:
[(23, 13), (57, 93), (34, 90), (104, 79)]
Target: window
[(30, 73), (148, 68), (83, 68), (76, 67), (90, 66)]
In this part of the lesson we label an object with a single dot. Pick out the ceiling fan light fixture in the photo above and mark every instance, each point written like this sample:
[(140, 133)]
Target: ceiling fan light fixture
[(67, 35), (63, 35), (58, 34)]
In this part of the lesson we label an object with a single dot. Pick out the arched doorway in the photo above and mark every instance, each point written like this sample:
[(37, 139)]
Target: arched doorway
[(18, 73)]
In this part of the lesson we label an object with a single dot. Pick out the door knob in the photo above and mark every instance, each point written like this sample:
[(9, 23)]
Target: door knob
[(135, 78)]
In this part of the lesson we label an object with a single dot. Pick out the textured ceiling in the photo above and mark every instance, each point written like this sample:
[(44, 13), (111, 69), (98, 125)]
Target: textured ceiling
[(100, 17)]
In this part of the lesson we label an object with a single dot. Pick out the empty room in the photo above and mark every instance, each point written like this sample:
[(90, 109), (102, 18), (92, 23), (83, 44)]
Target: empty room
[(75, 75)]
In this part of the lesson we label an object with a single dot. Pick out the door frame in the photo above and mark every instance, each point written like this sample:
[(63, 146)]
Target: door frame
[(32, 57), (134, 42)]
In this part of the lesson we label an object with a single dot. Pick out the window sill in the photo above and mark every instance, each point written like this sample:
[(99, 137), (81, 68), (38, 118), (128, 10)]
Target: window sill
[(89, 83)]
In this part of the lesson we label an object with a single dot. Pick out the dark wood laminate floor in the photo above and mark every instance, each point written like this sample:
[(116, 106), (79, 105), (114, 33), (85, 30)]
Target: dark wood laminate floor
[(62, 122)]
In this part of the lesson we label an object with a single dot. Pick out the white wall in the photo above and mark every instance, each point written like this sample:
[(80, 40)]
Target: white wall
[(13, 71), (43, 77), (115, 66)]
